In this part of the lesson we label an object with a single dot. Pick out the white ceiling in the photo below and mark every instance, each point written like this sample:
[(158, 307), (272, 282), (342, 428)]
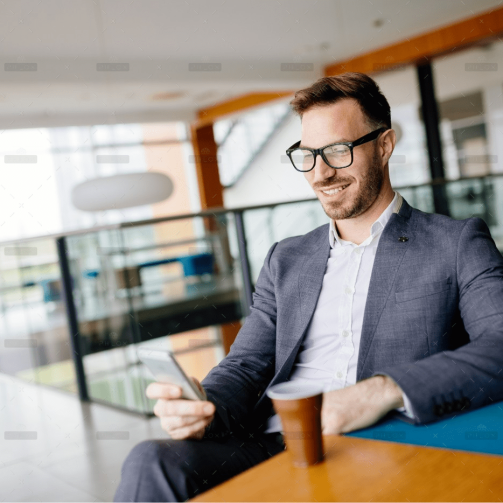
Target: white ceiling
[(160, 39)]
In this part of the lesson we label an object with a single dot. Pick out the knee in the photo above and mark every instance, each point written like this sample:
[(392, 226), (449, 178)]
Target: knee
[(175, 455), (144, 453), (156, 470)]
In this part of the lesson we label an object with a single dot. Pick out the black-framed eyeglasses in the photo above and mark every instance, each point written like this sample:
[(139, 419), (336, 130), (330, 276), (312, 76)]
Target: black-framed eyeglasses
[(336, 155)]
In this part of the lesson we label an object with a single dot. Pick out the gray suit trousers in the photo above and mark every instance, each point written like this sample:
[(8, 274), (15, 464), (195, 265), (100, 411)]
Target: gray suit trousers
[(177, 470)]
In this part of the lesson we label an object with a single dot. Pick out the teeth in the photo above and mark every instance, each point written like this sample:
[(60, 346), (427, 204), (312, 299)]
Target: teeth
[(334, 191)]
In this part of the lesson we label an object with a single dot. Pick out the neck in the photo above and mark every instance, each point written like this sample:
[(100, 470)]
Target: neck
[(357, 229)]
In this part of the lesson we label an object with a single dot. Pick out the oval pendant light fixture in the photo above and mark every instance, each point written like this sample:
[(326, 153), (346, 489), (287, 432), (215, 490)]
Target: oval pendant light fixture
[(121, 191)]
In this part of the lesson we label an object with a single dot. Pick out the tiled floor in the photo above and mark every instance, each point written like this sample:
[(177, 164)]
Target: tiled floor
[(65, 457)]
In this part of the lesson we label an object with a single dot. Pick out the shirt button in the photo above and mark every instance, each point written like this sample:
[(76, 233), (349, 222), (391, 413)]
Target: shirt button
[(348, 290), (357, 251), (339, 374), (345, 333)]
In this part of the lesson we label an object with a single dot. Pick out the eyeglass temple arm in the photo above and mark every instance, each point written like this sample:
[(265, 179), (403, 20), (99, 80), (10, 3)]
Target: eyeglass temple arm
[(370, 136)]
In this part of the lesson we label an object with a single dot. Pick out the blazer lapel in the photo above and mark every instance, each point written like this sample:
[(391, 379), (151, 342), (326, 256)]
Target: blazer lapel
[(389, 254), (310, 280)]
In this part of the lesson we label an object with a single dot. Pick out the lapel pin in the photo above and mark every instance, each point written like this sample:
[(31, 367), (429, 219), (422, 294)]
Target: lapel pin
[(402, 239)]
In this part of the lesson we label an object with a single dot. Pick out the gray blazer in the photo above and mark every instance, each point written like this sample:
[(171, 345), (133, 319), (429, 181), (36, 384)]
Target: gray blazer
[(433, 320)]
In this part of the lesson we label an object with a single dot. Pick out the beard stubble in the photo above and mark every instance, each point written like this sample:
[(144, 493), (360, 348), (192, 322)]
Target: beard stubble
[(370, 188)]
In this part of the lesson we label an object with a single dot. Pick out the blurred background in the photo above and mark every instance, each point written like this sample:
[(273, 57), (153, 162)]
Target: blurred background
[(144, 178)]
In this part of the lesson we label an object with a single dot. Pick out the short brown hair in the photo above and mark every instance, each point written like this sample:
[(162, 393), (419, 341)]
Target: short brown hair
[(361, 87)]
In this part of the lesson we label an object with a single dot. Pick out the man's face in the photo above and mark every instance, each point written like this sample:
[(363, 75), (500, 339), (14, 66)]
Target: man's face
[(343, 121)]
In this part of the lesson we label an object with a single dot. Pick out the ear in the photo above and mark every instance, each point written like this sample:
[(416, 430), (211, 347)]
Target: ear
[(387, 144)]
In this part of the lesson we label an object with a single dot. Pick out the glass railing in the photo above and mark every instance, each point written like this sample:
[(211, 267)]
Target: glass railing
[(166, 283), (34, 342), (74, 308), (169, 283), (472, 197)]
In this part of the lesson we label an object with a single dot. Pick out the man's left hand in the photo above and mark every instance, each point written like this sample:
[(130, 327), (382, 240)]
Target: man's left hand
[(358, 406)]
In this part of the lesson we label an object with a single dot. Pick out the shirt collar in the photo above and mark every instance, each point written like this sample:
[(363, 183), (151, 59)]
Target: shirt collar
[(377, 226)]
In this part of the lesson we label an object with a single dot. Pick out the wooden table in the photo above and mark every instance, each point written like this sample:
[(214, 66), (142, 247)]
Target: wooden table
[(358, 469)]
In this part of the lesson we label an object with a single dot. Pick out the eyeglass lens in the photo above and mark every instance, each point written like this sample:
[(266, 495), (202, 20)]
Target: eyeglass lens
[(338, 156)]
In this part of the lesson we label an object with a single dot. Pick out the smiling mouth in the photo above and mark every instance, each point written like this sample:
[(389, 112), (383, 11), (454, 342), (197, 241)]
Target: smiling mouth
[(334, 191)]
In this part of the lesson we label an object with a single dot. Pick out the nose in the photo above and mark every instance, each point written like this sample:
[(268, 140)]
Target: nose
[(322, 171)]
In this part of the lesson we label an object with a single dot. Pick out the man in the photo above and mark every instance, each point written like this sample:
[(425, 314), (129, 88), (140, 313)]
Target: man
[(394, 310)]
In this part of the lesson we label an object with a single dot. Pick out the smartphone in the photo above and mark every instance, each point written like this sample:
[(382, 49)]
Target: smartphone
[(164, 367)]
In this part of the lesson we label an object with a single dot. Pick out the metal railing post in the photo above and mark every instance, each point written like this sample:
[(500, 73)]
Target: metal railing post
[(71, 316), (430, 115), (245, 263)]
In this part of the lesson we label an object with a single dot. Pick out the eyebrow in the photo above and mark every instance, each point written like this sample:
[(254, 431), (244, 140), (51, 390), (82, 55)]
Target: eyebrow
[(342, 140)]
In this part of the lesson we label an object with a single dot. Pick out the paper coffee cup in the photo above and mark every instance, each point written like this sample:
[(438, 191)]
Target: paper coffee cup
[(298, 405)]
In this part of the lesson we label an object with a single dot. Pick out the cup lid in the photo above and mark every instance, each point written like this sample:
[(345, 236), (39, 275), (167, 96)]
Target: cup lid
[(292, 390)]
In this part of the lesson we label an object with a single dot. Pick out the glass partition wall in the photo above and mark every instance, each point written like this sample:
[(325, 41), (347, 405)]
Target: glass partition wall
[(469, 91)]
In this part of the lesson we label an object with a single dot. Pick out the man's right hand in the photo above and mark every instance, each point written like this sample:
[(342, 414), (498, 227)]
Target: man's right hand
[(180, 418)]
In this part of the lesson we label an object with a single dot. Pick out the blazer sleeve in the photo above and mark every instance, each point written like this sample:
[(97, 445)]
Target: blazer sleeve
[(236, 383), (471, 376)]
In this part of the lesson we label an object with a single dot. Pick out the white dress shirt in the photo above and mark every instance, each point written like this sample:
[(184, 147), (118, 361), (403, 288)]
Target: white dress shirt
[(329, 351)]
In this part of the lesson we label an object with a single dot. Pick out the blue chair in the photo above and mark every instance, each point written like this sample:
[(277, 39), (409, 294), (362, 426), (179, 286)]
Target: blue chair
[(91, 273), (193, 265)]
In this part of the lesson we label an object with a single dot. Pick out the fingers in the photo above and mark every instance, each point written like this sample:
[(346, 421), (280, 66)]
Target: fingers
[(163, 390), (183, 408), (195, 429), (173, 422), (180, 418)]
